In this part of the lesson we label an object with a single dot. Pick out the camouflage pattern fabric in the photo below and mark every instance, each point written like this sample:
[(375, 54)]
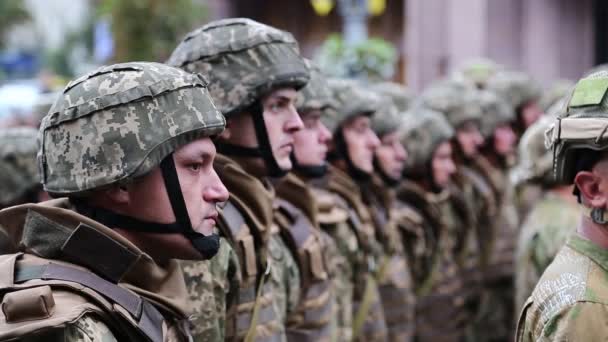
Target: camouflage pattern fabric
[(18, 168), (400, 95), (352, 99), (570, 301), (495, 112), (386, 119), (243, 59), (558, 90), (477, 71), (316, 94), (457, 101), (541, 236), (517, 88), (89, 328), (119, 122)]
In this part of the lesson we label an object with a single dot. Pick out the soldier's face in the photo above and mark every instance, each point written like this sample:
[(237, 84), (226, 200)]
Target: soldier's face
[(202, 189), (361, 142), (504, 140), (310, 143), (530, 113), (282, 122), (469, 138), (442, 164), (391, 155)]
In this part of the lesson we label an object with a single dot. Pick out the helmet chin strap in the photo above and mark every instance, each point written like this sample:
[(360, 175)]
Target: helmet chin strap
[(388, 180), (206, 245), (264, 149), (309, 171)]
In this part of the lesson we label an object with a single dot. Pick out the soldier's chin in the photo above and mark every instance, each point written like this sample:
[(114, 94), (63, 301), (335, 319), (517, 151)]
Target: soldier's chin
[(285, 163)]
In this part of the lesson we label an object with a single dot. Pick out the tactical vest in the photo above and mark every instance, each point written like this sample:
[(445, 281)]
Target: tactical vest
[(312, 317), (39, 294), (251, 310)]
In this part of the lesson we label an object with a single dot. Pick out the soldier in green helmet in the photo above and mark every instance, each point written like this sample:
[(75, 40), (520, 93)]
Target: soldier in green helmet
[(395, 280), (255, 71), (351, 156), (552, 215), (477, 72), (569, 302), (426, 192), (130, 146)]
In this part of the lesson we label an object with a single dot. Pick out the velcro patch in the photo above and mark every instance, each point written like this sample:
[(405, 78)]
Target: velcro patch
[(588, 92)]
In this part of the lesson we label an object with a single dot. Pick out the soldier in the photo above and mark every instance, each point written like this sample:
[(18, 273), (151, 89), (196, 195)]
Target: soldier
[(255, 72), (401, 97), (471, 196), (569, 302), (496, 313), (314, 318), (441, 314), (351, 155), (552, 216), (130, 145), (477, 72), (523, 95), (19, 181)]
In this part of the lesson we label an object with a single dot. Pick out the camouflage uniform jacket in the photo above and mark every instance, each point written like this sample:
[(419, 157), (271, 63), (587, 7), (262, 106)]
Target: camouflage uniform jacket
[(252, 255), (570, 302), (365, 261), (542, 235), (313, 319), (444, 286), (394, 279), (75, 279)]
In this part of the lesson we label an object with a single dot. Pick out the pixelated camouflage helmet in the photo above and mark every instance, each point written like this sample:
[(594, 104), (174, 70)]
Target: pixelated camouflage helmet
[(517, 88), (420, 135), (352, 99), (495, 112), (387, 118), (580, 127), (557, 91), (119, 122), (535, 160), (243, 59), (456, 100), (316, 95), (477, 71), (398, 93), (18, 168)]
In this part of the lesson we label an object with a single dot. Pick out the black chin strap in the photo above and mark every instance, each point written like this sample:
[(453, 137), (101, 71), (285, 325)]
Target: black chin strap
[(308, 171), (206, 245), (264, 149), (388, 180), (342, 152)]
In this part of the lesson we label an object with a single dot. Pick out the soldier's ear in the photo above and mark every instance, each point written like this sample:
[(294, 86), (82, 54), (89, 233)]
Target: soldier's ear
[(591, 193)]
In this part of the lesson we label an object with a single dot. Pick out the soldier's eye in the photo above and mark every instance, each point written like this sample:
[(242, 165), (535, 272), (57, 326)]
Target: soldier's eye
[(194, 167)]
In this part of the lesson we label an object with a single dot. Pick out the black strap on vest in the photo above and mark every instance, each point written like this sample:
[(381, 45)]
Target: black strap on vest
[(149, 319)]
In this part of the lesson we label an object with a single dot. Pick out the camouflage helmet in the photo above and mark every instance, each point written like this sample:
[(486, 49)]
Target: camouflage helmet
[(352, 99), (517, 88), (316, 95), (495, 112), (455, 100), (243, 59), (420, 135), (557, 91), (580, 127), (387, 118), (398, 93), (477, 71), (535, 160), (119, 122), (18, 168)]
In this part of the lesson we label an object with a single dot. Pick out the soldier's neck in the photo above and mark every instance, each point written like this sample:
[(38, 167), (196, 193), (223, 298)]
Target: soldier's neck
[(598, 234)]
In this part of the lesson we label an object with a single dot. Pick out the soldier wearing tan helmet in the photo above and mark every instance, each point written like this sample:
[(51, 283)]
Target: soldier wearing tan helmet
[(255, 71), (130, 146), (570, 300)]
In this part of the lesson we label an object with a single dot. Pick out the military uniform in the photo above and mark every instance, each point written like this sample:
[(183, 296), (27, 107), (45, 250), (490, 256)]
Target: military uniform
[(74, 278), (258, 274)]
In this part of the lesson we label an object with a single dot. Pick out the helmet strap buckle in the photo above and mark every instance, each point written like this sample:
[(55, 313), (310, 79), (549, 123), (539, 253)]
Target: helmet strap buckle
[(597, 216)]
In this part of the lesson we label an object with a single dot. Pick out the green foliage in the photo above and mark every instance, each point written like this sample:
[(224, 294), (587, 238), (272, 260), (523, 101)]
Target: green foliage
[(12, 12), (148, 30), (373, 59)]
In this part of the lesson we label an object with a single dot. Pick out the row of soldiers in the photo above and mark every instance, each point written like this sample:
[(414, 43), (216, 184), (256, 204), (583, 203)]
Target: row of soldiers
[(301, 207)]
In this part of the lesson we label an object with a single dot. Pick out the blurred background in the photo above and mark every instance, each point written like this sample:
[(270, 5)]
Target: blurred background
[(44, 43)]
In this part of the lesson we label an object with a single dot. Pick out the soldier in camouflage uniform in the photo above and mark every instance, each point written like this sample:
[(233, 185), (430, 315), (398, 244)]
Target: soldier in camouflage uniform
[(441, 313), (255, 71), (477, 72), (316, 316), (395, 280), (459, 103), (19, 181), (130, 145), (351, 156), (400, 95), (552, 217), (570, 300), (495, 321)]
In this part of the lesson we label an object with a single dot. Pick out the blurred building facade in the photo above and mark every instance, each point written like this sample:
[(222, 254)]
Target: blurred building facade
[(550, 39)]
